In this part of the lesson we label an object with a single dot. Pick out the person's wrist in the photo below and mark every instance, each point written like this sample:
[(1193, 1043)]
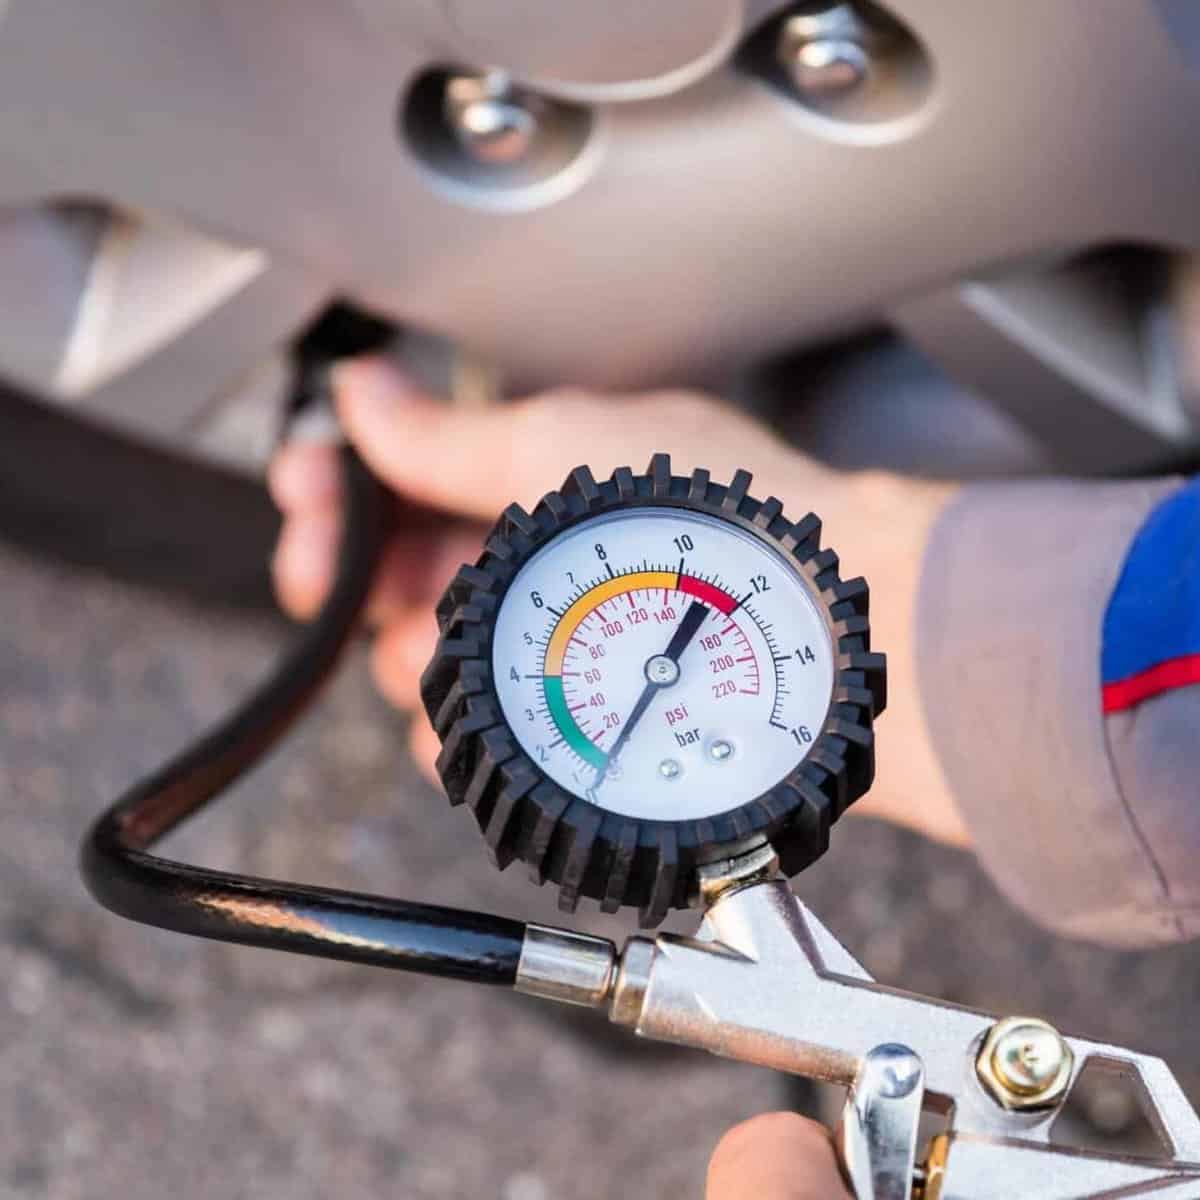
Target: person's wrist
[(881, 525)]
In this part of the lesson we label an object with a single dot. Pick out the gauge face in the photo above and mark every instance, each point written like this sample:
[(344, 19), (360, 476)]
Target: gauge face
[(662, 664)]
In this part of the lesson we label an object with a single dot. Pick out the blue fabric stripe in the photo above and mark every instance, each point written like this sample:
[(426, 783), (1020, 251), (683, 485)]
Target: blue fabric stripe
[(1154, 612)]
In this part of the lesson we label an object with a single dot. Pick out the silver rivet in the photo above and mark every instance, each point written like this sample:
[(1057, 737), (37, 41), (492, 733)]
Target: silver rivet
[(899, 1070), (720, 750), (669, 768)]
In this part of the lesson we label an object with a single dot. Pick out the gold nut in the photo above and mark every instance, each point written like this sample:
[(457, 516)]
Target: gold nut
[(1025, 1064)]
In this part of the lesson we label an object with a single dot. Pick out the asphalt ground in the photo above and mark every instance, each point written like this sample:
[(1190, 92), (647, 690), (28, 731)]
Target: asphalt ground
[(138, 1064)]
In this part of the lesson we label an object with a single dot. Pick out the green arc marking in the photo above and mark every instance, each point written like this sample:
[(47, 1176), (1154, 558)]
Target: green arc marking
[(556, 701)]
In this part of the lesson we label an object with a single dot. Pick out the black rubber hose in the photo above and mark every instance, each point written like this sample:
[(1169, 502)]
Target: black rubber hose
[(351, 926)]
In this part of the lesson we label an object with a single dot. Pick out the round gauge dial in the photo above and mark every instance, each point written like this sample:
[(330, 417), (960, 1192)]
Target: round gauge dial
[(650, 673), (662, 664)]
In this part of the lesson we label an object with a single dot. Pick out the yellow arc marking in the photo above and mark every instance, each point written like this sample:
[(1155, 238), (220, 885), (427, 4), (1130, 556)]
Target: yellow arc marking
[(592, 599)]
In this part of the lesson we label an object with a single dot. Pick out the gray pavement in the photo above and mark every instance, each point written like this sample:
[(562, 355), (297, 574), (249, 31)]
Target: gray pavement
[(138, 1064)]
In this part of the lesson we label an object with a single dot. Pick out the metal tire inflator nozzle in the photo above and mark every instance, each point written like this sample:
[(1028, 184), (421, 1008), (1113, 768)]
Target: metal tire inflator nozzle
[(765, 982)]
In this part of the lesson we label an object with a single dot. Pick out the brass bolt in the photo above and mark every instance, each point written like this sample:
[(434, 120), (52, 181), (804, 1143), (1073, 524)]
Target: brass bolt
[(1025, 1064)]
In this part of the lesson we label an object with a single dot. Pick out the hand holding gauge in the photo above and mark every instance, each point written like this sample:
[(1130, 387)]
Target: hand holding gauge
[(648, 674)]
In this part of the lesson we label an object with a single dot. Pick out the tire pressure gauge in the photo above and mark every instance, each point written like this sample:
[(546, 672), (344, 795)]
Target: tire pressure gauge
[(649, 674), (642, 688)]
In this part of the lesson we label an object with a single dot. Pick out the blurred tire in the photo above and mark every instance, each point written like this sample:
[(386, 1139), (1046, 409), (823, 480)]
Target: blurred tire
[(91, 498)]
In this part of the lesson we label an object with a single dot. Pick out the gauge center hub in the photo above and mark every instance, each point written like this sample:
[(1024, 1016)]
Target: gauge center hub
[(662, 670)]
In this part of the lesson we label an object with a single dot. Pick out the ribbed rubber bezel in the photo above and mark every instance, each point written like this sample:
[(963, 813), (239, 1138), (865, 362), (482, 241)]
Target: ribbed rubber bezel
[(616, 859)]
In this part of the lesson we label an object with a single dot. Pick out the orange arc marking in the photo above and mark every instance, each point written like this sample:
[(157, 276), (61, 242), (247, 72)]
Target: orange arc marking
[(592, 599)]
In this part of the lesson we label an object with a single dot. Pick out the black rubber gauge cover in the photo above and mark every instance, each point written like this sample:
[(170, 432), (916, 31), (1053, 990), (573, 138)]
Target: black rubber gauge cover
[(616, 859)]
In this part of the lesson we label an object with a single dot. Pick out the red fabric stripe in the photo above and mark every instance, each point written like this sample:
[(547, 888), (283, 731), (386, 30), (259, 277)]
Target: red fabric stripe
[(1174, 673), (714, 597)]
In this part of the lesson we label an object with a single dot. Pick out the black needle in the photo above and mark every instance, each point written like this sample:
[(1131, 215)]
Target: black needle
[(643, 703), (684, 632)]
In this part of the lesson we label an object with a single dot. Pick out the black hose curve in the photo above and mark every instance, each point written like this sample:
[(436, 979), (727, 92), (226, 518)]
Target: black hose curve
[(352, 926)]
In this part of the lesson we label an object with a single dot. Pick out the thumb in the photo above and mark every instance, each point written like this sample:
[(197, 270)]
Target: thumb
[(473, 461), (778, 1156)]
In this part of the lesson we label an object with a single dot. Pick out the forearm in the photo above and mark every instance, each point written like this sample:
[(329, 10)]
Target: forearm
[(1089, 823), (882, 527), (881, 524), (990, 602)]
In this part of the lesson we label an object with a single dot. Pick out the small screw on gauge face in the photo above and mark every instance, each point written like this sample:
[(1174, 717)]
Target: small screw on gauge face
[(720, 750), (669, 768)]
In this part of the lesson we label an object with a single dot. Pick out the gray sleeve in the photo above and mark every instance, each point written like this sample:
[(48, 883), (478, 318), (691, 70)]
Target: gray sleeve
[(1090, 824)]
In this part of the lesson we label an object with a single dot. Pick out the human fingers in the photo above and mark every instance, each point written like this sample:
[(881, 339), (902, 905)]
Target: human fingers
[(777, 1156), (474, 461)]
